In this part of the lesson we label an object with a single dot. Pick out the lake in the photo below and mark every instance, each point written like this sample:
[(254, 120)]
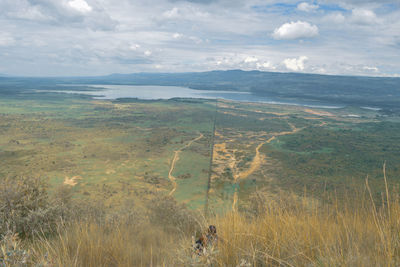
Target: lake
[(154, 92)]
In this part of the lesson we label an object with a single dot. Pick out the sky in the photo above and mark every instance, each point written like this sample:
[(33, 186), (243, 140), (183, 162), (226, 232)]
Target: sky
[(99, 37)]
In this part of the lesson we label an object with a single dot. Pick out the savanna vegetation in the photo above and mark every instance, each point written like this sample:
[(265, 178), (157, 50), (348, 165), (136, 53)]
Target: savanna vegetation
[(286, 230), (128, 182)]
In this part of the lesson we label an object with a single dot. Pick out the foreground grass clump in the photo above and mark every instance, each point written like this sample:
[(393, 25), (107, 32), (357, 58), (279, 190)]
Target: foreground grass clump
[(92, 244), (312, 235), (121, 238), (281, 231), (288, 232)]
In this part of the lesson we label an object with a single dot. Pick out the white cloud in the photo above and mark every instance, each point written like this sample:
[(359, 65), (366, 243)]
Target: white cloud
[(306, 7), (295, 30), (6, 39), (134, 47), (190, 32), (295, 64), (371, 69), (250, 59), (61, 13), (244, 61), (195, 39), (177, 35), (173, 13), (363, 16), (265, 66), (336, 17), (31, 13), (80, 5)]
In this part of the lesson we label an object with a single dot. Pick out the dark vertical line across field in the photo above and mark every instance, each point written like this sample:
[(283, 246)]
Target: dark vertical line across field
[(211, 159)]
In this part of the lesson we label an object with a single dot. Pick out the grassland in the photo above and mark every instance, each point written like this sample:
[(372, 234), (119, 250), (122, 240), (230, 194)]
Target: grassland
[(124, 149), (112, 150), (269, 148), (287, 183), (286, 230)]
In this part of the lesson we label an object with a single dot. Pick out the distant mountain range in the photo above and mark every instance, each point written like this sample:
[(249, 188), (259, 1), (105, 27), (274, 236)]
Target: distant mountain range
[(376, 91), (371, 91)]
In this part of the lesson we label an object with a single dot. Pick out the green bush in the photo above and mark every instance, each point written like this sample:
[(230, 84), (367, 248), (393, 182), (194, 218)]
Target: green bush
[(26, 208), (172, 216)]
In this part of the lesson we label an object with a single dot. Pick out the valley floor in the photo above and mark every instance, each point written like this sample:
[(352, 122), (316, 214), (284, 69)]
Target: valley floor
[(286, 185), (114, 151)]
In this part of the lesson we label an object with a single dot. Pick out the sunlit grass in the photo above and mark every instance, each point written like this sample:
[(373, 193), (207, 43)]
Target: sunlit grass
[(285, 231)]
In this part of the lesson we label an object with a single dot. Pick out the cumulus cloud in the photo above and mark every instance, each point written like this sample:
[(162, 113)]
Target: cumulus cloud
[(195, 1), (186, 12), (250, 59), (6, 39), (295, 64), (360, 3), (172, 13), (134, 47), (363, 16), (265, 66), (336, 17), (306, 7), (295, 30), (25, 12), (177, 35), (242, 61), (94, 37), (80, 5), (371, 69), (68, 13)]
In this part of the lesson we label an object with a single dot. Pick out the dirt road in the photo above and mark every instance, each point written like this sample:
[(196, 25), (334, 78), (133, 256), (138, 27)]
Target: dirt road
[(257, 161), (175, 160)]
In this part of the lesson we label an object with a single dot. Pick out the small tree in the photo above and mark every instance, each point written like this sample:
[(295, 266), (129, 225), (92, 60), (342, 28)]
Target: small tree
[(26, 208), (172, 216)]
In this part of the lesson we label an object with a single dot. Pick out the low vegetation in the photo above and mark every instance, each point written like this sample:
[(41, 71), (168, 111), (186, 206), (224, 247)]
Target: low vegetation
[(286, 230), (125, 183)]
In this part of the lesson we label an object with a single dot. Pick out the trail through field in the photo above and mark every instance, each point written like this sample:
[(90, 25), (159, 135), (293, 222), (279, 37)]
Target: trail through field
[(257, 161), (175, 160), (319, 112)]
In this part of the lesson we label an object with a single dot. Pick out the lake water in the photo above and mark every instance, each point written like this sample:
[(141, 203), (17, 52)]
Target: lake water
[(154, 92)]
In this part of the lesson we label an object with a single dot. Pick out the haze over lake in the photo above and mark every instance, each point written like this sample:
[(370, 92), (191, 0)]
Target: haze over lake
[(154, 92)]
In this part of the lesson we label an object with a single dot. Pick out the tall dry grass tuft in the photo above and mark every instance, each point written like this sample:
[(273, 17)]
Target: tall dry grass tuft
[(93, 244), (284, 231), (354, 232), (121, 238)]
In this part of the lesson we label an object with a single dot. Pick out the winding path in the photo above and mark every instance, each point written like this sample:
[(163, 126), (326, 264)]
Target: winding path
[(175, 159), (257, 160)]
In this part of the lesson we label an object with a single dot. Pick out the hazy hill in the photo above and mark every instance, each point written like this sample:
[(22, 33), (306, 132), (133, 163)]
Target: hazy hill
[(375, 91), (369, 91)]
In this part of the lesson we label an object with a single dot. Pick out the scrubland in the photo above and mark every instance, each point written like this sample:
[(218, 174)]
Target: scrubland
[(287, 184), (285, 230)]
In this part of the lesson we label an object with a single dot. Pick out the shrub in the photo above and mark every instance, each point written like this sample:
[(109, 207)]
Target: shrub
[(167, 213), (11, 251), (26, 208)]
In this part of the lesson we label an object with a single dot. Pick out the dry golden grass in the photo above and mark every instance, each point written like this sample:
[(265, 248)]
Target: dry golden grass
[(351, 232), (319, 236), (289, 231), (92, 244)]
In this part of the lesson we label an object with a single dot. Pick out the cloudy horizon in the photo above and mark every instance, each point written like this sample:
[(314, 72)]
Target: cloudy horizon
[(99, 37)]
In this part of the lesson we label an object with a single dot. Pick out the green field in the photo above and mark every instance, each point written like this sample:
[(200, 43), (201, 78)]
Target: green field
[(124, 149)]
